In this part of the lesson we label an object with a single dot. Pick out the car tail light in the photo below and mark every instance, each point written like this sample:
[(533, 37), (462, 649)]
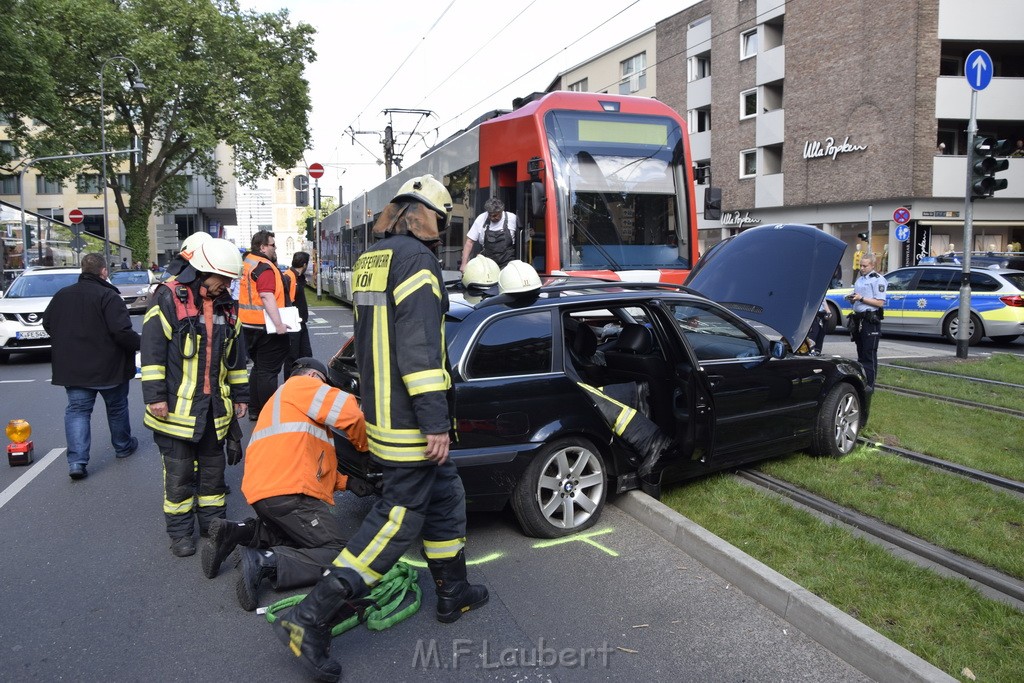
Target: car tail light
[(1013, 300)]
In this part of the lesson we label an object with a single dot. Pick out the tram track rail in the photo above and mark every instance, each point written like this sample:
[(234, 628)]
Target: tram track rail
[(948, 399), (1003, 586), (953, 375)]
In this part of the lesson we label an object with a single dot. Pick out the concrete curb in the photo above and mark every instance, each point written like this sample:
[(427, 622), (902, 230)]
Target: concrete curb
[(865, 649)]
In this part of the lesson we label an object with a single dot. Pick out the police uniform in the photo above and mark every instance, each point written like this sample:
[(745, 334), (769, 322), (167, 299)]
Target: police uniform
[(867, 322)]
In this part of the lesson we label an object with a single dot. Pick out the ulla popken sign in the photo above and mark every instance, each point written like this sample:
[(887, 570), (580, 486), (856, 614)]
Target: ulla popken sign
[(814, 149)]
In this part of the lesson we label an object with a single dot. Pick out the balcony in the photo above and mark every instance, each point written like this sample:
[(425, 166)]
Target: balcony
[(771, 128), (700, 145), (768, 191), (1002, 100), (771, 65), (949, 178), (698, 93)]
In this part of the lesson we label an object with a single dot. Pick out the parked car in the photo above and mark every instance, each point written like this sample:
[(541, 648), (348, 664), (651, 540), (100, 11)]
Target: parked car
[(926, 300), (134, 286), (22, 306), (725, 385)]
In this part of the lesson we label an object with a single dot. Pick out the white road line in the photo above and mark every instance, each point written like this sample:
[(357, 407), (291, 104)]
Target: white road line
[(15, 381), (22, 481), (319, 321), (323, 334)]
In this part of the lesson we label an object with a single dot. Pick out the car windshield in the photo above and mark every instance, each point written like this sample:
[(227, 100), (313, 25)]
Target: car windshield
[(129, 277), (40, 284)]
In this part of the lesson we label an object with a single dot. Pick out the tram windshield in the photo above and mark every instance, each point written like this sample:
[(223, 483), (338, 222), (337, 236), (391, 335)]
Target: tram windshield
[(617, 177)]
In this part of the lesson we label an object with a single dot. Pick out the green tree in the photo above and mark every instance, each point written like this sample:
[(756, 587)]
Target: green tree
[(213, 73), (327, 205)]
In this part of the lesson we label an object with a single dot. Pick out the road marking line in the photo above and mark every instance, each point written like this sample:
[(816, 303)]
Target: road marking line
[(15, 381), (22, 481)]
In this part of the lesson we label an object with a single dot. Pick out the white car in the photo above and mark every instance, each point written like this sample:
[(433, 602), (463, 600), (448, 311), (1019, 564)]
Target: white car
[(22, 306)]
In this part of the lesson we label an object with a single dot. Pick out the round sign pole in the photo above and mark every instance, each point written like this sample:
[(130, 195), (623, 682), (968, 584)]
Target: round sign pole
[(315, 171)]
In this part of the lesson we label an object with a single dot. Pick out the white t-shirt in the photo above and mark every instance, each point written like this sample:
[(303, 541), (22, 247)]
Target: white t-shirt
[(476, 232)]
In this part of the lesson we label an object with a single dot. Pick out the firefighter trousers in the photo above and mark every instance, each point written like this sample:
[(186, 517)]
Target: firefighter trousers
[(304, 535), (425, 498), (193, 481)]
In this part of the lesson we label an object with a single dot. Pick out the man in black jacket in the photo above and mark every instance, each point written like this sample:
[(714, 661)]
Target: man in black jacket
[(295, 292), (93, 353)]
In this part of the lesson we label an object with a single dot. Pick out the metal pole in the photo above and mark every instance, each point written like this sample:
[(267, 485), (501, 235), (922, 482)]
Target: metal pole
[(103, 173), (964, 311), (319, 255), (869, 228)]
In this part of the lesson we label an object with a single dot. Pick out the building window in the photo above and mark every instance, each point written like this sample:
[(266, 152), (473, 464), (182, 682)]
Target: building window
[(748, 103), (7, 149), (88, 183), (748, 44), (748, 163), (634, 74), (124, 181), (578, 86), (280, 184), (698, 67), (699, 120), (9, 184), (45, 186)]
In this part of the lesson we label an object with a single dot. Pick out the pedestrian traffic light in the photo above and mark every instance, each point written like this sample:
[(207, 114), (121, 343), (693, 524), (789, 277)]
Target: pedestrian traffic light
[(310, 235), (985, 165), (862, 236)]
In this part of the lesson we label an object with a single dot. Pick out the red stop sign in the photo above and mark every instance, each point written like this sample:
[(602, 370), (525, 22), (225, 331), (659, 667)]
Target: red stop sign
[(76, 216), (315, 170)]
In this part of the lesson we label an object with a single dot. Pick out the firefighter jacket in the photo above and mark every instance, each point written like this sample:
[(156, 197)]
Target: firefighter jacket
[(399, 302), (292, 450), (250, 305), (192, 360)]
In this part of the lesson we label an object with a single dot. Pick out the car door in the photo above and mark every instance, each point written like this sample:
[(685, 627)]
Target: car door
[(933, 294), (898, 283)]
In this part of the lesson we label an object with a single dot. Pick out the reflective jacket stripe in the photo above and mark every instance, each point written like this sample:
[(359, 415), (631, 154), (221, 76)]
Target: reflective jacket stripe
[(155, 312), (370, 299), (382, 366), (423, 278), (426, 380), (625, 416), (150, 372)]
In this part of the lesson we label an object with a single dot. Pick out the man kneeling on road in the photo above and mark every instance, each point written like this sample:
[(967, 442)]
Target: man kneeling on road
[(291, 474)]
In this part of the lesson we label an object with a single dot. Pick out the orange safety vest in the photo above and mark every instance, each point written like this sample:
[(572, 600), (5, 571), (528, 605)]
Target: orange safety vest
[(291, 450), (289, 286), (250, 305)]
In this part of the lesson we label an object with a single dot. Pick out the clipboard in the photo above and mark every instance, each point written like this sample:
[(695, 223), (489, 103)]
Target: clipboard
[(289, 316)]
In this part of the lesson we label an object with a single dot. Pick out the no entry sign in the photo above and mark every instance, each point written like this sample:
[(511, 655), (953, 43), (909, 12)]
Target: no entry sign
[(76, 216), (316, 170)]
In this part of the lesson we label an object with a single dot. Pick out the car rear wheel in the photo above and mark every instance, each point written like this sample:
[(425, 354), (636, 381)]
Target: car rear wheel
[(562, 490), (833, 320), (953, 324), (1004, 338), (838, 422)]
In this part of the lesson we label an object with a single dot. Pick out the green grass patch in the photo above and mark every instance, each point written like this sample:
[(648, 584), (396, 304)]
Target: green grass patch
[(944, 621), (326, 302), (964, 516), (988, 441), (1002, 367), (963, 389)]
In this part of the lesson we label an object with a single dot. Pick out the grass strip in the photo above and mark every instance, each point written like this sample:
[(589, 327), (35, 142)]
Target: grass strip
[(327, 301), (964, 516), (988, 441), (1002, 367), (953, 387), (944, 621)]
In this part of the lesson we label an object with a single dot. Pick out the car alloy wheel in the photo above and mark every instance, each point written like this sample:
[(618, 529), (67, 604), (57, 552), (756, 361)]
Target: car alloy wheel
[(974, 332), (838, 422), (562, 490)]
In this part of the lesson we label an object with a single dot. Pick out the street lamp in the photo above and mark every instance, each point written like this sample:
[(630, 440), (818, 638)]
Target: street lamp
[(136, 85)]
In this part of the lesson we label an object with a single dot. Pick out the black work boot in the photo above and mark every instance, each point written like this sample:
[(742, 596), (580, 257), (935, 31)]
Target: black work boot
[(223, 538), (455, 594), (255, 567), (306, 628)]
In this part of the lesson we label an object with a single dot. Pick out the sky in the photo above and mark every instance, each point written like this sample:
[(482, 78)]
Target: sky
[(456, 58)]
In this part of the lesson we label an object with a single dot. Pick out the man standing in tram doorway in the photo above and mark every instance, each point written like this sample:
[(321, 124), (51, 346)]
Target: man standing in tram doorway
[(495, 230), (399, 303)]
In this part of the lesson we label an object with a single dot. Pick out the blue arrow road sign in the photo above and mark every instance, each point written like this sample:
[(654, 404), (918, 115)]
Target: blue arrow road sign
[(902, 233), (978, 69)]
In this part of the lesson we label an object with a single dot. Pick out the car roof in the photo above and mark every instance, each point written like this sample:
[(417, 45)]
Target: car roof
[(41, 270), (998, 270)]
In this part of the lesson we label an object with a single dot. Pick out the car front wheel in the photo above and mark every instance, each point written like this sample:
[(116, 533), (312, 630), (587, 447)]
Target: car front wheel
[(834, 319), (838, 422), (562, 490)]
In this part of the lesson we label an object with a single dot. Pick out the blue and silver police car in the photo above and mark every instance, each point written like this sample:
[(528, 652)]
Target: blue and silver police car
[(925, 299)]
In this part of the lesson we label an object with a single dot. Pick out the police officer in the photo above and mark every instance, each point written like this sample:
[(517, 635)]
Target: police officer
[(868, 302), (399, 302), (495, 230)]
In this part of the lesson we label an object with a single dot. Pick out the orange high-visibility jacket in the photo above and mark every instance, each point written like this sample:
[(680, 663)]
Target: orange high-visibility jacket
[(292, 450), (250, 305)]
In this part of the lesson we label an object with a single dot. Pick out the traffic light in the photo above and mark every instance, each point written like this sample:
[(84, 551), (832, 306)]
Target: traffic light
[(302, 198), (30, 233), (985, 165), (862, 236), (309, 229)]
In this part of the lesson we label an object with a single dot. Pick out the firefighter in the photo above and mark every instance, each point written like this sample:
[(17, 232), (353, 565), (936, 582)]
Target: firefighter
[(399, 303), (188, 247), (261, 295), (194, 382), (291, 475)]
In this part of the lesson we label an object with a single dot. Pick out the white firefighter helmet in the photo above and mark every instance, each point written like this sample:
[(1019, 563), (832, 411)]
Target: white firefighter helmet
[(481, 272), (518, 278), (189, 245), (428, 190), (217, 256)]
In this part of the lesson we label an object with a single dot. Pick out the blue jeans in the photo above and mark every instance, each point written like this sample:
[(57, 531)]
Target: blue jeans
[(78, 420)]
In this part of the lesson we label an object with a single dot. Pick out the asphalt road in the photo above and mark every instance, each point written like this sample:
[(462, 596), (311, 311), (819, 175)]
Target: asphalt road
[(91, 591)]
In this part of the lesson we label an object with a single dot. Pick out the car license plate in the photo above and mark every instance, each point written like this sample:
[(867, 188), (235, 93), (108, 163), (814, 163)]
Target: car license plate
[(34, 334)]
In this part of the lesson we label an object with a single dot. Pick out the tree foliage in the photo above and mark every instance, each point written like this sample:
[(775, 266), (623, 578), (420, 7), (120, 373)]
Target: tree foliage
[(213, 74)]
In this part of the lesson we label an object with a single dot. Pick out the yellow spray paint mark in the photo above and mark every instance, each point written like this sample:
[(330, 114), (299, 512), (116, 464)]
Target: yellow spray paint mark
[(479, 560), (586, 538)]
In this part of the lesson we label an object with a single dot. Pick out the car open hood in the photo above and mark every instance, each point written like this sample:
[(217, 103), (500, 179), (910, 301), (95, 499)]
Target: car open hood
[(774, 274)]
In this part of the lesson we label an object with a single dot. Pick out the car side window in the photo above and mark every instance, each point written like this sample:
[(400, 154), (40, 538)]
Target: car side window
[(713, 336), (983, 282), (899, 281), (935, 280), (513, 345)]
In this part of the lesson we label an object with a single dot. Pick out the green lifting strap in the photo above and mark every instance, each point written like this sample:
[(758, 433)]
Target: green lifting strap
[(384, 601)]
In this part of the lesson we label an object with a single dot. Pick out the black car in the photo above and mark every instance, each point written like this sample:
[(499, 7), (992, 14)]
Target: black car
[(725, 386)]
